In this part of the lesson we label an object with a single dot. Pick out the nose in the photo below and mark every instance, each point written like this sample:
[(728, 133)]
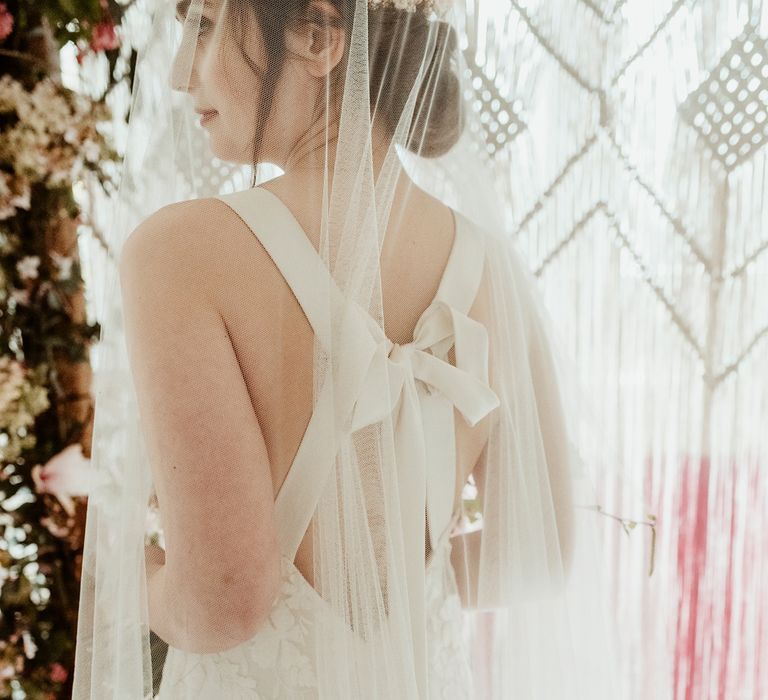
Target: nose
[(181, 74)]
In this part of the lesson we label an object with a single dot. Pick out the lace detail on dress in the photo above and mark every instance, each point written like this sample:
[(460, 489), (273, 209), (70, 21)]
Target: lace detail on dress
[(274, 664), (277, 663), (450, 676)]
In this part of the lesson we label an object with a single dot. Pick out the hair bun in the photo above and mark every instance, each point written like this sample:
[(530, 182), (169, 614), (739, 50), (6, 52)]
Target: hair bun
[(437, 120)]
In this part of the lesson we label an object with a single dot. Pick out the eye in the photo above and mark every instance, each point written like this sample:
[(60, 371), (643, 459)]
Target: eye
[(205, 26)]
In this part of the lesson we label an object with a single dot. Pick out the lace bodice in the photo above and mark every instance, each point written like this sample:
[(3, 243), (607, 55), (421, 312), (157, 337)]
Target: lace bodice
[(278, 663)]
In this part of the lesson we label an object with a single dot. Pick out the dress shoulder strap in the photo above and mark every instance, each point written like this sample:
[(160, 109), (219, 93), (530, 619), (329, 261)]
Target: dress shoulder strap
[(305, 272)]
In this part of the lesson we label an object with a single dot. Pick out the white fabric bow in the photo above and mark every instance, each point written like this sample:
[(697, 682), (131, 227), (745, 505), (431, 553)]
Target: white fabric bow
[(424, 388)]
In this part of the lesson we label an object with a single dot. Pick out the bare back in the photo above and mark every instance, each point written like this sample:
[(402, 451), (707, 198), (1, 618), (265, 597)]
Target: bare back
[(273, 339)]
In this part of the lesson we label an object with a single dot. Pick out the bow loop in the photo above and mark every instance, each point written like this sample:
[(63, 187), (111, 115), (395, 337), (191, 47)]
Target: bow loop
[(423, 363)]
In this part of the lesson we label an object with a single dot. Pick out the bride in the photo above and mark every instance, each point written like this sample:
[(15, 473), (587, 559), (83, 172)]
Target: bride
[(338, 384)]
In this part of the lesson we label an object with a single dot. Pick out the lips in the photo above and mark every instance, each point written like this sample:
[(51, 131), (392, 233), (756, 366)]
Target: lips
[(207, 115)]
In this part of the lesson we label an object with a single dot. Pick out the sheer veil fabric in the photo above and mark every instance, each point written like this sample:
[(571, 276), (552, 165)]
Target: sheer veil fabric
[(366, 107)]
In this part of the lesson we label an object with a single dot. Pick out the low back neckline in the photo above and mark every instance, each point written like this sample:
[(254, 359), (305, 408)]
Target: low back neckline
[(304, 241), (305, 272)]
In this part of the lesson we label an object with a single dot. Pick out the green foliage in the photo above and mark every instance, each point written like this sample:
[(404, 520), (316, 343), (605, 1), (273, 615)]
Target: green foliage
[(50, 140)]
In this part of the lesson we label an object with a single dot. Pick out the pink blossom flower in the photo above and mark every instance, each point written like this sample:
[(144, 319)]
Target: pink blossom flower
[(7, 671), (58, 673), (64, 475), (104, 37), (6, 22)]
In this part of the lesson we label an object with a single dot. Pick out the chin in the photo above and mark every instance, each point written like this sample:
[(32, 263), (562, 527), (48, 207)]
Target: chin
[(229, 152), (226, 149)]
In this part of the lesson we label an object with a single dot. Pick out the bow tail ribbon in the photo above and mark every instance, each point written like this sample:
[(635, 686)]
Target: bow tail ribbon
[(425, 451), (424, 430), (411, 454)]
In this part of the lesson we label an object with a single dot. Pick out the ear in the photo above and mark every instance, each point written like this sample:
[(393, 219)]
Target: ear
[(319, 40)]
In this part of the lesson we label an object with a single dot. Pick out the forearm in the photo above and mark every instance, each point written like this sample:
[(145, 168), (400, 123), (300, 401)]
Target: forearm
[(184, 623)]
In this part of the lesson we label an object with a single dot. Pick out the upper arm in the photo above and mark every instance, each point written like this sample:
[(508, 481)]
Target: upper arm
[(208, 457)]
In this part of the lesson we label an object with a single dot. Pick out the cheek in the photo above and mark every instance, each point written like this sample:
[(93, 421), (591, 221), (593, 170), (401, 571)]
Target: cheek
[(213, 75), (233, 85)]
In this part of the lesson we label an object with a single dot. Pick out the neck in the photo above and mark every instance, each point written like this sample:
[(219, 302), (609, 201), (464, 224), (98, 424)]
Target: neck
[(309, 155)]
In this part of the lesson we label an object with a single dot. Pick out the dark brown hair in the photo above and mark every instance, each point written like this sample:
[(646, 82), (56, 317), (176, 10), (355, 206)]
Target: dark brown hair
[(398, 41)]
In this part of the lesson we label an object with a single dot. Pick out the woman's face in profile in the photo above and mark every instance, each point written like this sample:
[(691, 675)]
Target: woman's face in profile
[(219, 63), (209, 65)]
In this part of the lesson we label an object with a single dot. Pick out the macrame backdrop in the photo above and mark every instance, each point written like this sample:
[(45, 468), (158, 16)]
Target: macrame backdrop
[(629, 137)]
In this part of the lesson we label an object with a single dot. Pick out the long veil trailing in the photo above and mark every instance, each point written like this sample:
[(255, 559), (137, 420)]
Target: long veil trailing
[(378, 109)]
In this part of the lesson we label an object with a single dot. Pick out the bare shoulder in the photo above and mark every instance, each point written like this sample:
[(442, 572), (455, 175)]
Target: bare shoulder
[(180, 227), (198, 241)]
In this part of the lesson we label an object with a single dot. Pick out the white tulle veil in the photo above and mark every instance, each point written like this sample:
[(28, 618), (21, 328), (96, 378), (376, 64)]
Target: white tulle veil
[(403, 110)]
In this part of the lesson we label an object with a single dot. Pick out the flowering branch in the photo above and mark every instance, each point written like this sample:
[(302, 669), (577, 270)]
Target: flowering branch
[(629, 525)]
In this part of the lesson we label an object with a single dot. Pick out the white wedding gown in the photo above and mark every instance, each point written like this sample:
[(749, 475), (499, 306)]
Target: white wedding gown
[(277, 663)]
